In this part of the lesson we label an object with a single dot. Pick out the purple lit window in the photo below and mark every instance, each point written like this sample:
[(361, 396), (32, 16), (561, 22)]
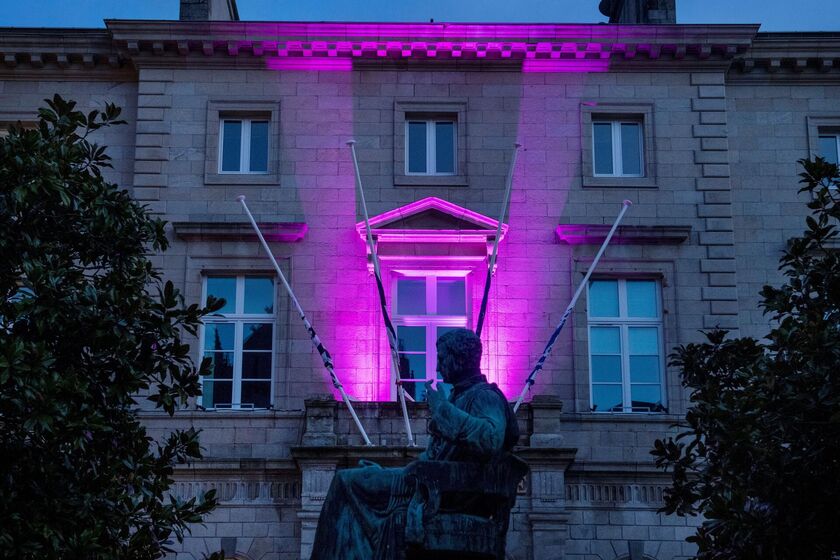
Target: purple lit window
[(427, 306), (617, 148), (430, 146), (625, 346), (239, 341), (243, 146)]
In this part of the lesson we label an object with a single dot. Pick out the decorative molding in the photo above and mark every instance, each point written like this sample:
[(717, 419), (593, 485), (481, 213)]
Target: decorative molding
[(588, 493), (594, 234), (284, 232), (478, 227), (284, 491)]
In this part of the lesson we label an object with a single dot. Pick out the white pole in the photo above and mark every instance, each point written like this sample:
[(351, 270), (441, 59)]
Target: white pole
[(389, 327), (316, 342), (483, 309), (564, 318)]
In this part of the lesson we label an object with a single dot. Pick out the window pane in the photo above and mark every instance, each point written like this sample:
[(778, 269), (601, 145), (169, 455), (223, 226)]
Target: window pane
[(417, 147), (606, 397), (259, 146), (256, 365), (256, 336), (411, 339), (413, 366), (411, 296), (641, 298), (445, 147), (216, 394), (231, 145), (631, 152), (603, 298), (602, 134), (259, 295), (223, 287), (256, 393), (644, 369), (451, 296), (646, 397), (604, 340), (218, 336), (221, 365), (828, 148), (606, 369), (643, 340)]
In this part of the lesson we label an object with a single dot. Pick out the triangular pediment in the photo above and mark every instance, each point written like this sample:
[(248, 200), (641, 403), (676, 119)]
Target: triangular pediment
[(432, 214)]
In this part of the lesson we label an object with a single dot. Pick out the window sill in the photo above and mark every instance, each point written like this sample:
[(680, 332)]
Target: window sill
[(619, 182), (431, 181), (241, 179)]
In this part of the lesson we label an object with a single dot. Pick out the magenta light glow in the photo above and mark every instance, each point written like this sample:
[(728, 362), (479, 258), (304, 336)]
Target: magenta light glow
[(539, 65), (309, 63)]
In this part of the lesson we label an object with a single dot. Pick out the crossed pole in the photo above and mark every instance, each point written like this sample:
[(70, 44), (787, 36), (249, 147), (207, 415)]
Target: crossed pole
[(538, 367), (383, 304), (316, 342)]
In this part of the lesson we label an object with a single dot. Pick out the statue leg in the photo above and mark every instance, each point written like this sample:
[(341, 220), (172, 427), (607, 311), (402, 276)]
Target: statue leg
[(357, 519)]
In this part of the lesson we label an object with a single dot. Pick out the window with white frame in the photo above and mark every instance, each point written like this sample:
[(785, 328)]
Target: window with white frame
[(617, 148), (430, 146), (626, 360), (239, 340), (243, 145), (829, 146), (425, 305)]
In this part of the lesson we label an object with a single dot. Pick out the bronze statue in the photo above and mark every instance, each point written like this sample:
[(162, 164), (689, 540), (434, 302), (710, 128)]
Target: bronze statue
[(365, 510)]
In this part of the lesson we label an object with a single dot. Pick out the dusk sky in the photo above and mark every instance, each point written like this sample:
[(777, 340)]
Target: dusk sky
[(774, 15)]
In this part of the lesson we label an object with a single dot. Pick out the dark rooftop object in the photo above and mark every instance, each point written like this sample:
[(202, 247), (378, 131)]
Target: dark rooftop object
[(639, 11), (208, 10)]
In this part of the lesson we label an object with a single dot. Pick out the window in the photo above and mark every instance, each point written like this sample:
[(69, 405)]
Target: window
[(617, 148), (625, 346), (243, 142), (243, 145), (425, 307), (430, 146), (239, 340), (829, 146)]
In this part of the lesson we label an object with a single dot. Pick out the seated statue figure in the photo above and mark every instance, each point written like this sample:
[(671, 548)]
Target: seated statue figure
[(364, 511)]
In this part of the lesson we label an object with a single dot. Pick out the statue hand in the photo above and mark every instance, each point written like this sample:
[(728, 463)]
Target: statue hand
[(434, 397)]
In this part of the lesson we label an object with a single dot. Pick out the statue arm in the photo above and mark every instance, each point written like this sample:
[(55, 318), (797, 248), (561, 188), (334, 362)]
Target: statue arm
[(481, 428)]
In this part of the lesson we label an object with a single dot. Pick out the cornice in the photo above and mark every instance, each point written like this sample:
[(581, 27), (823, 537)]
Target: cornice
[(790, 57), (58, 50), (339, 46)]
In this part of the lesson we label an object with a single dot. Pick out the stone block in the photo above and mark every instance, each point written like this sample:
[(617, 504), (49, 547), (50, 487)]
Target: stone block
[(705, 92), (712, 117), (716, 170), (702, 156), (714, 210), (709, 131), (713, 184), (714, 143), (708, 78), (719, 293), (708, 104)]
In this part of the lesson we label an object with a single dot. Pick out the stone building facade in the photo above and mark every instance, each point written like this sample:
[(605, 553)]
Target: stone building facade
[(700, 126)]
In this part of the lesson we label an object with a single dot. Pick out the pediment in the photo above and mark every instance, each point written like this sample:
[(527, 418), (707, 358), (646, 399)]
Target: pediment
[(432, 216)]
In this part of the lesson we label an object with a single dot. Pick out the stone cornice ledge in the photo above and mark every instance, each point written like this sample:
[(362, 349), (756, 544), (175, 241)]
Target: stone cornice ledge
[(284, 232), (594, 234)]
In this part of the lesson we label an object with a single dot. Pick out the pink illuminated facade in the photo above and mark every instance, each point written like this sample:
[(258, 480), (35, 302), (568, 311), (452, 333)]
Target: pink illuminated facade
[(698, 125)]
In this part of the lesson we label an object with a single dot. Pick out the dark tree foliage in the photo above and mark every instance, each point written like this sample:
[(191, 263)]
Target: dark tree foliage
[(759, 456), (86, 324)]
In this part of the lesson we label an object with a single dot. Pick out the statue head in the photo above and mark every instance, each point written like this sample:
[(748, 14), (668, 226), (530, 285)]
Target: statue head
[(458, 355)]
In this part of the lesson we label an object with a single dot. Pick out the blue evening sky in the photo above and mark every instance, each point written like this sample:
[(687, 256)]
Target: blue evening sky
[(774, 15)]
